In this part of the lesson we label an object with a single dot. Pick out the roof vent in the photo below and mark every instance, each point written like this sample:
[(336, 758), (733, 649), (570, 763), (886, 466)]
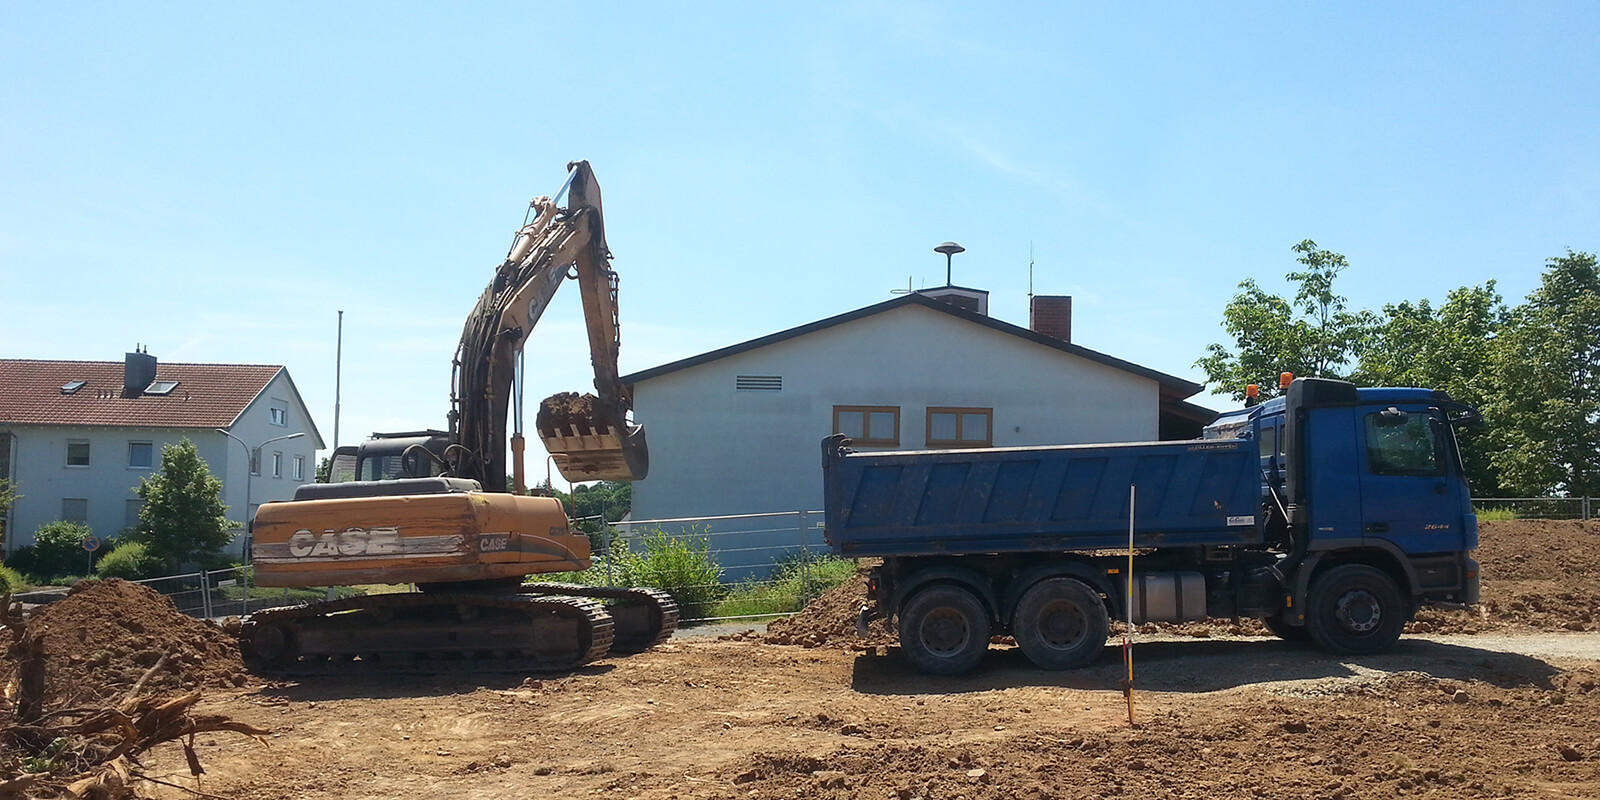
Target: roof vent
[(138, 371), (758, 383)]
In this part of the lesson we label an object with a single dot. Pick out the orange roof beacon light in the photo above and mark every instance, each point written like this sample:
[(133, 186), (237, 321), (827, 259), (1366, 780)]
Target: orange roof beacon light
[(1252, 395), (1284, 380)]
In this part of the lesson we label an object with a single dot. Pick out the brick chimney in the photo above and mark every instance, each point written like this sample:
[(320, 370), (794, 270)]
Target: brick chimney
[(1051, 315), (138, 371)]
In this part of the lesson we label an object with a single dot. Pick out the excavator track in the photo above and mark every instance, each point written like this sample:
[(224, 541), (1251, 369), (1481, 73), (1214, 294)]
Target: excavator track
[(643, 617), (428, 633)]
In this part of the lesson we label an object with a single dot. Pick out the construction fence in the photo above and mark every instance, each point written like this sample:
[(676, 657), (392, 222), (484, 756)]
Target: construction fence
[(763, 565)]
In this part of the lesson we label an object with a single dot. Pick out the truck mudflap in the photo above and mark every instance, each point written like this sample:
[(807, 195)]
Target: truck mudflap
[(865, 617), (1473, 587)]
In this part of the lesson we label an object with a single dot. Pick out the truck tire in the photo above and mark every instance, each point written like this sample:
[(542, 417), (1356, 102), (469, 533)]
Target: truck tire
[(944, 630), (1060, 623), (1355, 609)]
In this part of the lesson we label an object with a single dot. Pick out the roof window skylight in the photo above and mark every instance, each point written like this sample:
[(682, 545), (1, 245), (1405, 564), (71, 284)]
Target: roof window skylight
[(161, 387), (72, 387)]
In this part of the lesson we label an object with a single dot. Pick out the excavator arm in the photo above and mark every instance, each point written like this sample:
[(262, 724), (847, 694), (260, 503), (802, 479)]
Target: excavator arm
[(589, 436)]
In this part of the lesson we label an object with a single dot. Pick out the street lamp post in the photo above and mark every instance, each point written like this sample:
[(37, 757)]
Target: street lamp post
[(249, 456)]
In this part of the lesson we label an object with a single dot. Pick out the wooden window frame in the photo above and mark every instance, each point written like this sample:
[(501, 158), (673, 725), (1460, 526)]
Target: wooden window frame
[(866, 422), (958, 442)]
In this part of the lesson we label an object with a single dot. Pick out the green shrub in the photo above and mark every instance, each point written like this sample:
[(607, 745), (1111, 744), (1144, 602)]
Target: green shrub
[(11, 580), (57, 550), (129, 561), (1496, 514), (799, 577), (680, 566)]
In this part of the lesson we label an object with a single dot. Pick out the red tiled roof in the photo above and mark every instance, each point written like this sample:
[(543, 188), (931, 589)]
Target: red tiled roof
[(207, 395)]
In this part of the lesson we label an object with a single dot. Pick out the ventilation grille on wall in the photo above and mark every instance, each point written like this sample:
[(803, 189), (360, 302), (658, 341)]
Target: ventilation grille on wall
[(758, 383)]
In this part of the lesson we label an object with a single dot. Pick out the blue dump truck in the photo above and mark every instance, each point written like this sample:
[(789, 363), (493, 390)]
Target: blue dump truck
[(1331, 513)]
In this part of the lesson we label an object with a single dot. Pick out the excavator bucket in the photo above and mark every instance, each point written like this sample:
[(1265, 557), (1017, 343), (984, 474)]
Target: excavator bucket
[(590, 442)]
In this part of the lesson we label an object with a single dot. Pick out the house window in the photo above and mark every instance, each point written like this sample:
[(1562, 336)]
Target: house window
[(299, 468), (141, 455), (280, 415), (960, 427), (75, 509), (255, 461), (77, 453), (277, 465), (868, 425), (130, 513)]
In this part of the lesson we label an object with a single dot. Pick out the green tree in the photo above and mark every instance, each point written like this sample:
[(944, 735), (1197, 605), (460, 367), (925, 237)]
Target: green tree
[(183, 518), (8, 497), (610, 500), (324, 469), (1314, 335), (1547, 377), (1452, 348)]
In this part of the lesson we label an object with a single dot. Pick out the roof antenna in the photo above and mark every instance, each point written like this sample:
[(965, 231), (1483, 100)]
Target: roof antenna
[(1030, 272), (907, 290)]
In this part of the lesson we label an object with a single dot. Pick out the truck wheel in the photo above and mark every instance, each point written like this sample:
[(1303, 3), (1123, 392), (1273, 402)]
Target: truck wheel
[(1354, 609), (1060, 623), (944, 630)]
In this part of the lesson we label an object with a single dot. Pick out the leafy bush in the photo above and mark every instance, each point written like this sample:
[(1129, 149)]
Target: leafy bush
[(129, 561), (11, 580), (680, 566), (57, 550)]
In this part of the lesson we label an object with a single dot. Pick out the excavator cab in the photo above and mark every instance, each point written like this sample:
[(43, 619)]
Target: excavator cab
[(391, 456)]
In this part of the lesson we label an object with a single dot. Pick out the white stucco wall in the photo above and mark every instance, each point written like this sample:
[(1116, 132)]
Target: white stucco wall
[(714, 450), (255, 427), (43, 479)]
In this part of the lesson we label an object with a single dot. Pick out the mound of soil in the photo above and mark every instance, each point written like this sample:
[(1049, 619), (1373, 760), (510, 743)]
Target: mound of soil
[(105, 635), (565, 411), (831, 619), (1537, 575)]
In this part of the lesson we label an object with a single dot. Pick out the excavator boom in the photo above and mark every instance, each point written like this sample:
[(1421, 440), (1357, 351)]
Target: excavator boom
[(590, 436), (431, 508)]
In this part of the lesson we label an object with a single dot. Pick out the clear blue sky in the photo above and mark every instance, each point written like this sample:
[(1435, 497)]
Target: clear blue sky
[(216, 180)]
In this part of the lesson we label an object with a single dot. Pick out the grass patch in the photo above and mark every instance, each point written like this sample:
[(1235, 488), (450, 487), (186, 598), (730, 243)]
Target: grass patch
[(308, 594), (793, 584), (1496, 514)]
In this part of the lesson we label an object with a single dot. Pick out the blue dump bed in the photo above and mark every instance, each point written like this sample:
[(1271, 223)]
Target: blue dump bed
[(1040, 499)]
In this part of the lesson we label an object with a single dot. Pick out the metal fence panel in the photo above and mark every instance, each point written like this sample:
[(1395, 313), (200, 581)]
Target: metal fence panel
[(1538, 507)]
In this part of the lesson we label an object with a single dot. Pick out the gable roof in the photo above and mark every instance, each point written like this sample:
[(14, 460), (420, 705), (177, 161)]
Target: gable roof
[(1172, 387), (207, 395)]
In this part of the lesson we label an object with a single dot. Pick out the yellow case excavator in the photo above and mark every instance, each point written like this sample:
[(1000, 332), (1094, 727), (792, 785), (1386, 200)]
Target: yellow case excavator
[(432, 507)]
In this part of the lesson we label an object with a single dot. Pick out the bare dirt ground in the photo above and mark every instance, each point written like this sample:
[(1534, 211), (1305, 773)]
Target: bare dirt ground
[(1503, 701)]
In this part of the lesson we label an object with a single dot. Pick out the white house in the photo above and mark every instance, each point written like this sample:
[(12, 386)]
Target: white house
[(738, 430), (76, 436)]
